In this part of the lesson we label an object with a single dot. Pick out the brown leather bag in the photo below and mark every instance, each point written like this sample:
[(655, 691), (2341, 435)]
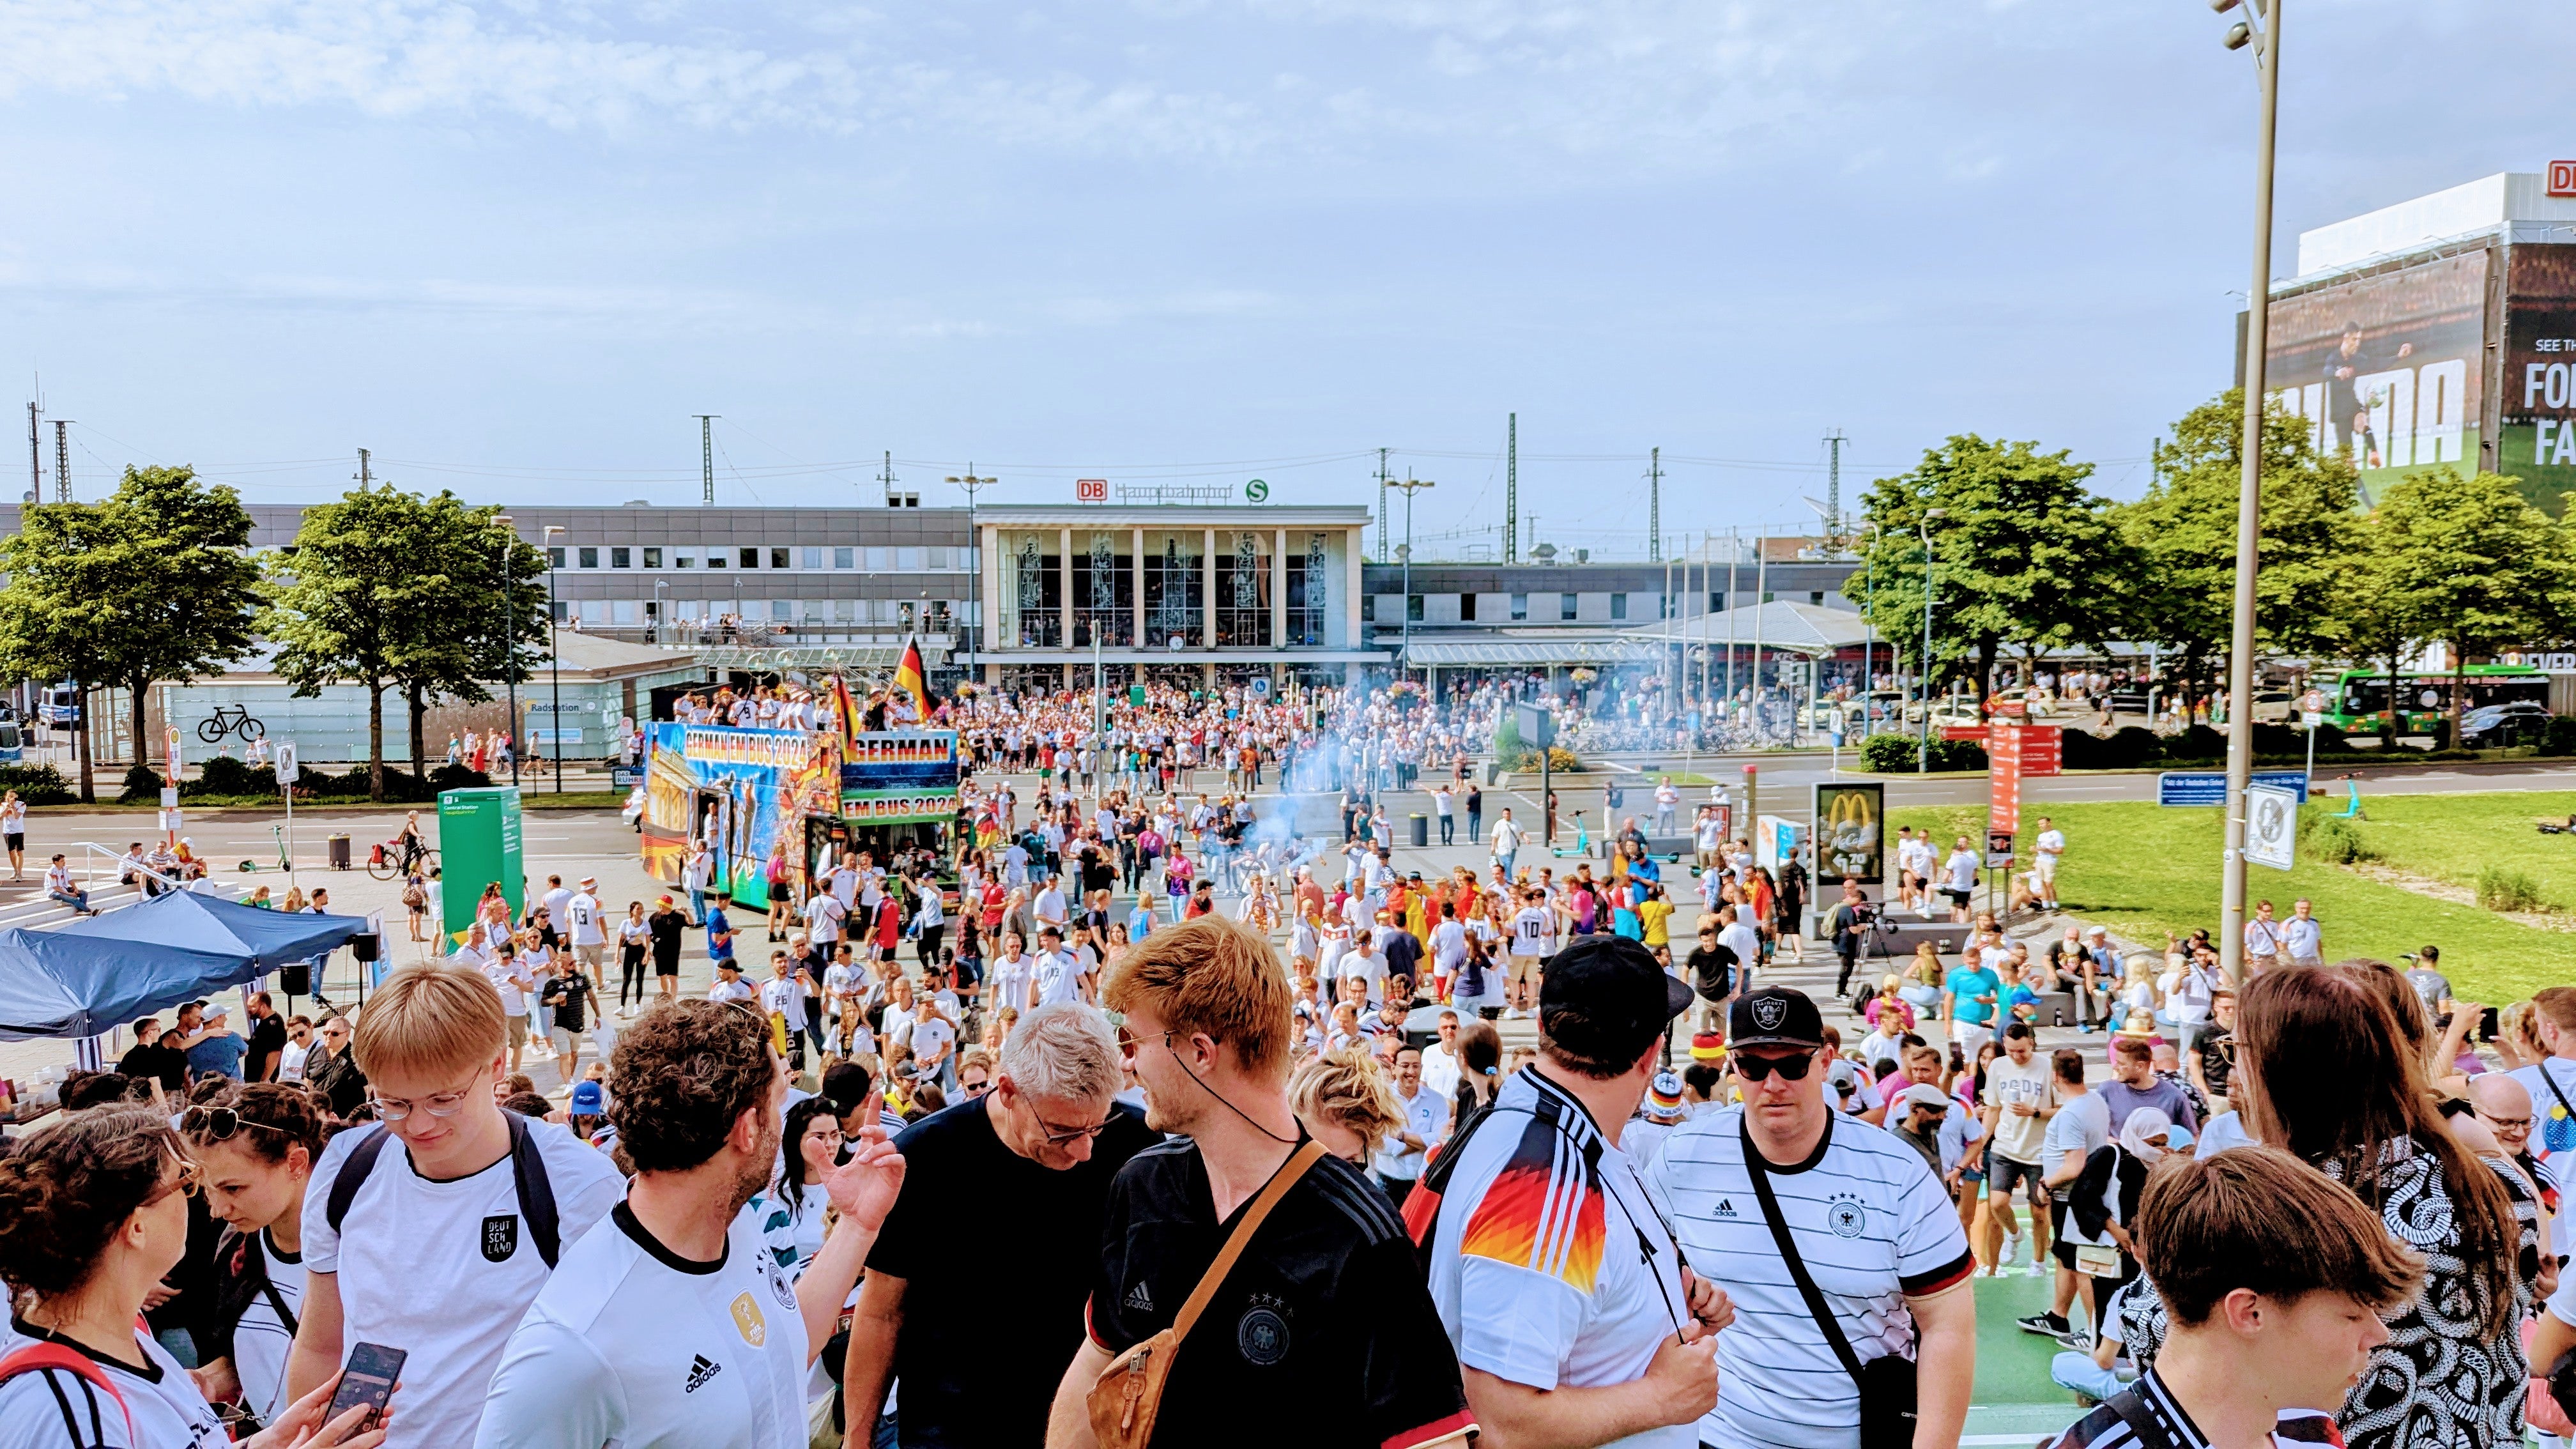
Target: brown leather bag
[(1130, 1391)]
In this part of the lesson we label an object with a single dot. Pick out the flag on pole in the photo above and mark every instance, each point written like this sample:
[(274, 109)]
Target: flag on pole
[(910, 678), (848, 710)]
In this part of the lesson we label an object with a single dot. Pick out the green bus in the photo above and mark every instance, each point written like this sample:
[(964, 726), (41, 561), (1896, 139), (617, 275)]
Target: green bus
[(2357, 703)]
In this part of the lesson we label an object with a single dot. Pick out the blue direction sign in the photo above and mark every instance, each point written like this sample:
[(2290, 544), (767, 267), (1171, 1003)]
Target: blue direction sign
[(2209, 787)]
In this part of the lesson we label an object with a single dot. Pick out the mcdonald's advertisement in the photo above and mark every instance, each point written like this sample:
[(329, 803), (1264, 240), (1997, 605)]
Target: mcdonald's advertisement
[(1850, 833)]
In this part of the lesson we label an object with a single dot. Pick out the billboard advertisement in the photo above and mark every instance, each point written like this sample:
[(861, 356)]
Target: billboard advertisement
[(2536, 435), (2386, 369), (1850, 833), (742, 792), (895, 776)]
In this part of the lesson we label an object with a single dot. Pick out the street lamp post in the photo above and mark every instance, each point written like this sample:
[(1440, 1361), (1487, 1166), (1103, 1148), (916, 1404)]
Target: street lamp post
[(1868, 630), (660, 619), (509, 627), (1923, 745), (1404, 651), (2261, 27), (975, 535), (554, 647)]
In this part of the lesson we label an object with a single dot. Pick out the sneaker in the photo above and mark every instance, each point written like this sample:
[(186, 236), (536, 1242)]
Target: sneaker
[(2046, 1325), (2076, 1340), (2040, 1268)]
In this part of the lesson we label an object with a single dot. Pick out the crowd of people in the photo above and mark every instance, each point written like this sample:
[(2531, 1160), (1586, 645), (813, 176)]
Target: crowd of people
[(1140, 1117)]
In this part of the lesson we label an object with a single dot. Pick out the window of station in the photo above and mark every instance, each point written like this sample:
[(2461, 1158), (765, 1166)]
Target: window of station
[(590, 558), (652, 558), (621, 558), (751, 558)]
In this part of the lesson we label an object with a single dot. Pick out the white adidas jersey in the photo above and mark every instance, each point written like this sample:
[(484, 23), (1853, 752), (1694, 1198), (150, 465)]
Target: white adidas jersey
[(630, 1345)]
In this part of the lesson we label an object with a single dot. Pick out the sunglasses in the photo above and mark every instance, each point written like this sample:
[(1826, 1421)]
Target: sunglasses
[(220, 1124), (1791, 1069), (185, 1184)]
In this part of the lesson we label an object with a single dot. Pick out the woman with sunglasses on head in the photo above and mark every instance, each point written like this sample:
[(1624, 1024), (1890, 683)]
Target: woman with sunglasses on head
[(797, 1200), (255, 1147), (2453, 1371), (93, 1212)]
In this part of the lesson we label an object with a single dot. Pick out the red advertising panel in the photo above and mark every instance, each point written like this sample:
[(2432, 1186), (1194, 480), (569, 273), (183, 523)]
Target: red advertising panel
[(2043, 749), (2003, 779)]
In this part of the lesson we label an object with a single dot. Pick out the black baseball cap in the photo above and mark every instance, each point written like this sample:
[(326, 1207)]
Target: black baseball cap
[(1605, 998), (1775, 1016)]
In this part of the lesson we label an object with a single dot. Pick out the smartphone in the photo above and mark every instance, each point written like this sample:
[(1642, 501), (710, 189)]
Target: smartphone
[(2487, 1025), (367, 1381)]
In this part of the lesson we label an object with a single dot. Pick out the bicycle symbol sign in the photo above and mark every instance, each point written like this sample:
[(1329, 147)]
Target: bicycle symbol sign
[(230, 719)]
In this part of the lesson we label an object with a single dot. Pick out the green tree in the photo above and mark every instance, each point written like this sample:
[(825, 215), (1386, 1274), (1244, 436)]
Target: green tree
[(478, 609), (152, 583), (2024, 556), (2183, 534), (2471, 563)]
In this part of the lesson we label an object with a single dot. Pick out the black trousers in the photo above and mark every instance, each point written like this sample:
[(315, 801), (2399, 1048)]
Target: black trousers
[(633, 964)]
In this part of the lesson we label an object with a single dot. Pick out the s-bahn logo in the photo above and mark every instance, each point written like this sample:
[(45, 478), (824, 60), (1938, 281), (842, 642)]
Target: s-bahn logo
[(1256, 491)]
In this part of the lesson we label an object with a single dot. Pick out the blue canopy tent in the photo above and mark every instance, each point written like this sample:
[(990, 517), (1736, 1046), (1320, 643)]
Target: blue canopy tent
[(102, 972)]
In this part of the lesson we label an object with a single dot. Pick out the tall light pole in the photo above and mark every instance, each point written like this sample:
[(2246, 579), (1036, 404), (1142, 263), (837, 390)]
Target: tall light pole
[(975, 535), (2260, 27), (509, 645), (1923, 745), (1404, 653), (1868, 630), (554, 646)]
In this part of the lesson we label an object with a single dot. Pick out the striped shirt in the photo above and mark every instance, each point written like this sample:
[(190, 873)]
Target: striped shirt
[(2154, 1419), (1873, 1226)]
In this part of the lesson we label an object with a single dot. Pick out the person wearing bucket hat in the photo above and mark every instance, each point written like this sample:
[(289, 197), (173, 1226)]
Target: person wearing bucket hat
[(1575, 1317), (1787, 1192), (1661, 1112)]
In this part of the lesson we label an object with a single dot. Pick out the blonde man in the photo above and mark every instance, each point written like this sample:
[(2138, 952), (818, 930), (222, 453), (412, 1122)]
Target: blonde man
[(1326, 1296), (423, 1233)]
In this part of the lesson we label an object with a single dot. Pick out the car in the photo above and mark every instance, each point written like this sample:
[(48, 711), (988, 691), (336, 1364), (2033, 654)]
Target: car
[(2274, 706), (2514, 722)]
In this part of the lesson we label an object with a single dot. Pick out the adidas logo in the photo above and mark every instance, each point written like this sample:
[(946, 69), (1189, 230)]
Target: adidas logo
[(701, 1369), (1725, 1208), (1138, 1299)]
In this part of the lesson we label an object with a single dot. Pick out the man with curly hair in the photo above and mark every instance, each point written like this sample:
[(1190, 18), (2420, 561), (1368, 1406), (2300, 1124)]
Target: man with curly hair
[(674, 1324)]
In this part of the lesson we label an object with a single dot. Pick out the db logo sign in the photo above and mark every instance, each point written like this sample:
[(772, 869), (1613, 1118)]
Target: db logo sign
[(1090, 490), (2562, 178)]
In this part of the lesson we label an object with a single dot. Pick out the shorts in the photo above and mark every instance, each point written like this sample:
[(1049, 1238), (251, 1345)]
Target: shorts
[(1524, 970), (2008, 1174), (666, 968), (2058, 1248), (1959, 897), (2046, 866), (567, 1043), (591, 956), (15, 842), (518, 1031)]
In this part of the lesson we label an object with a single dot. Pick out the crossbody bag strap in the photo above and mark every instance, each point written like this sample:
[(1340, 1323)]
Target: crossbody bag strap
[(1798, 1274), (1214, 1278), (2555, 1090)]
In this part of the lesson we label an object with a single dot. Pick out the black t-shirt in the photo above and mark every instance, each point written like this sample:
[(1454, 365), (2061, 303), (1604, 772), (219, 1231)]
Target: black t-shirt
[(169, 1067), (1403, 954), (965, 1195), (1712, 971), (1326, 1311), (567, 995), (267, 1041), (2217, 1065), (667, 926)]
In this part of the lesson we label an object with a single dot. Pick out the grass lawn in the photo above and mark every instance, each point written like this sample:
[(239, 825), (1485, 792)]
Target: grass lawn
[(2145, 869)]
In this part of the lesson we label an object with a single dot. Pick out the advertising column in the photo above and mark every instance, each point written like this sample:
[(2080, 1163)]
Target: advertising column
[(479, 842)]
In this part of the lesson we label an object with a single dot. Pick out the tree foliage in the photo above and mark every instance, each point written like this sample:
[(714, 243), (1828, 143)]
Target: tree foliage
[(152, 583), (389, 589), (2183, 536), (2471, 563), (2024, 556)]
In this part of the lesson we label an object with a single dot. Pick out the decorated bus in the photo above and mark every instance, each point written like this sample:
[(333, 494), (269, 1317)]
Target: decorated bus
[(746, 793)]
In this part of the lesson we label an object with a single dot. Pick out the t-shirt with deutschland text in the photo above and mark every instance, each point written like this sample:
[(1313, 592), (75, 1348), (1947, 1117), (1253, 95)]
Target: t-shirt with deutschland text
[(953, 1398), (445, 1269), (1873, 1225), (1326, 1311)]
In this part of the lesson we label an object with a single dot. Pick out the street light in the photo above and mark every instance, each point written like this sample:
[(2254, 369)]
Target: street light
[(554, 643), (509, 646), (975, 587), (1923, 746), (2261, 27), (1868, 630), (1404, 651), (654, 635)]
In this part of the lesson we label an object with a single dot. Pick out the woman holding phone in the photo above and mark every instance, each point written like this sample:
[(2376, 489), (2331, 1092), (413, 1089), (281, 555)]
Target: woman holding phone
[(93, 1212), (255, 1147)]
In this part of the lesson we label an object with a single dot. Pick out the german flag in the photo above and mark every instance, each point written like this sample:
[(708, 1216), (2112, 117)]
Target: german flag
[(848, 710), (912, 680)]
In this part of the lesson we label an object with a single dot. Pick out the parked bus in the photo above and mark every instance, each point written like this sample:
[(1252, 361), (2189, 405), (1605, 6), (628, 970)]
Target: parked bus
[(2357, 703)]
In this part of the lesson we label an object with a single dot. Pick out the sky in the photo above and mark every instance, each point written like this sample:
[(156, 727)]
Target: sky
[(511, 247)]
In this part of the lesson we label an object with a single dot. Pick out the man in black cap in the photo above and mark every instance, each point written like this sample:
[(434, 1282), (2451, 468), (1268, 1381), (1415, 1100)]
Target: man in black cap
[(1783, 1188), (1575, 1319)]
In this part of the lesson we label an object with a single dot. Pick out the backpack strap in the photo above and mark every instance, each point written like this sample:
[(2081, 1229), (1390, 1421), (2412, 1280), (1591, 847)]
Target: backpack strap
[(528, 1177), (354, 1170), (536, 1190), (37, 1357)]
